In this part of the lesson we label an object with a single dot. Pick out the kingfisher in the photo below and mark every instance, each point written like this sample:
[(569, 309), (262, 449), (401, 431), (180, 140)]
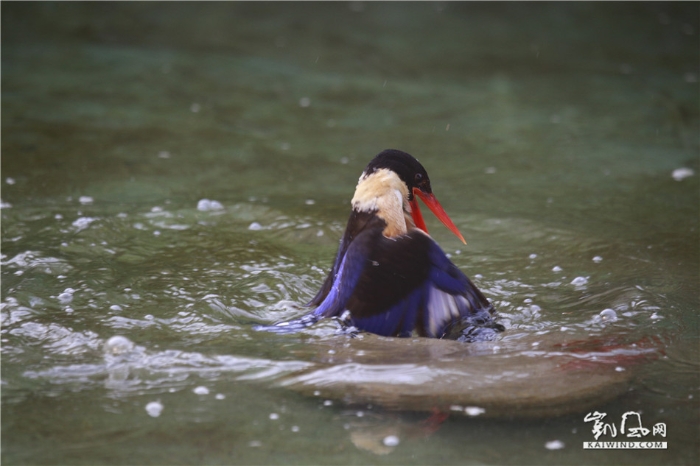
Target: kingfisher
[(389, 276)]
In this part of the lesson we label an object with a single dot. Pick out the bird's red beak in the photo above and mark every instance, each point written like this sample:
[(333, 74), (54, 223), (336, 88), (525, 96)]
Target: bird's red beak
[(431, 201)]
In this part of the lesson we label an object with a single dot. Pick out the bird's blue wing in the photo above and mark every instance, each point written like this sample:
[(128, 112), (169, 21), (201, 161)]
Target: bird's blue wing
[(418, 289)]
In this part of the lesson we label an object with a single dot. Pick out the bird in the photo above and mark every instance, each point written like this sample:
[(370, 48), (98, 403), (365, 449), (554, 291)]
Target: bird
[(389, 276)]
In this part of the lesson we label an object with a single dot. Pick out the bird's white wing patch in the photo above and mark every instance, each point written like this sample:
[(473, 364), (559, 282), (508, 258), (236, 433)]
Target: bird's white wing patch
[(443, 308)]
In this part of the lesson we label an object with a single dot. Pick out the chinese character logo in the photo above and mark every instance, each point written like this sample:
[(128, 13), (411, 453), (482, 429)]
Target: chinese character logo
[(630, 425)]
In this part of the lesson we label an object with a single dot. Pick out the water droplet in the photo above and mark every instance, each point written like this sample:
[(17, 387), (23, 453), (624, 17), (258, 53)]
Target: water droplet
[(205, 205), (295, 428), (118, 345), (309, 202), (474, 410), (579, 281), (391, 441), (195, 108), (597, 259), (556, 268), (682, 173), (164, 154), (274, 416), (115, 307), (201, 390), (154, 408), (85, 200), (220, 396), (9, 180), (608, 315), (255, 226), (554, 445)]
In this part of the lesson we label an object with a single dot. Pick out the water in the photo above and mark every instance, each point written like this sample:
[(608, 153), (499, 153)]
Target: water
[(561, 139)]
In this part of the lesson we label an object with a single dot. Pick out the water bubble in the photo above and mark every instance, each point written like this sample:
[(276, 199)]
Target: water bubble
[(115, 307), (65, 297), (164, 154), (205, 205), (309, 202), (682, 173), (9, 180), (85, 200), (274, 416), (554, 445), (327, 403), (118, 345), (255, 443), (391, 441), (619, 369), (201, 390), (533, 256), (255, 226), (220, 396), (579, 281), (154, 408), (608, 315), (556, 268), (295, 428), (195, 108), (304, 102), (490, 170), (597, 259), (474, 410)]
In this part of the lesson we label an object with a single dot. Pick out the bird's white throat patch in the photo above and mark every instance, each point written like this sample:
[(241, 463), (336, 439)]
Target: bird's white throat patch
[(383, 192)]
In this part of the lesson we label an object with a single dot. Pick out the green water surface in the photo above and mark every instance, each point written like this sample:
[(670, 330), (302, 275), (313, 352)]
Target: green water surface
[(551, 132)]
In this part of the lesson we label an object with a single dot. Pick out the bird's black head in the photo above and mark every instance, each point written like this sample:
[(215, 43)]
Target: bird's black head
[(405, 166)]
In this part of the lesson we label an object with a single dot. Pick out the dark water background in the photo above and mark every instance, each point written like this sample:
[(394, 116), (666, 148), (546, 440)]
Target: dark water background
[(552, 134)]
